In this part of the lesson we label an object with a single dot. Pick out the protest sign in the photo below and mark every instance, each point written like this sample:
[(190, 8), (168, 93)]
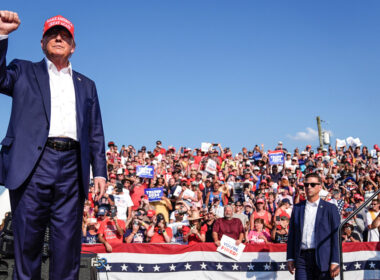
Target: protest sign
[(177, 191), (188, 193), (340, 143), (354, 142), (145, 171), (374, 153), (205, 147), (276, 157), (228, 247), (211, 166), (154, 194), (256, 156)]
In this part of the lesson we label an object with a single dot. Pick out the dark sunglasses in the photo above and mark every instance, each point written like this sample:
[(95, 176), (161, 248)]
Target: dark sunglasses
[(310, 185)]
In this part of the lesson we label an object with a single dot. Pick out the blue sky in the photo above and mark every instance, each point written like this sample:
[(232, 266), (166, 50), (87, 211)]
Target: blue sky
[(236, 72)]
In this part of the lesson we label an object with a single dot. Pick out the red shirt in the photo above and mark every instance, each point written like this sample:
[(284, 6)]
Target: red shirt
[(109, 231), (158, 237), (231, 228), (136, 194), (194, 238)]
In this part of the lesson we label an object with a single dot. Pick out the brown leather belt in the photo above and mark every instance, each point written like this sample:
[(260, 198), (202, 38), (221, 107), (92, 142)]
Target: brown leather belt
[(62, 144)]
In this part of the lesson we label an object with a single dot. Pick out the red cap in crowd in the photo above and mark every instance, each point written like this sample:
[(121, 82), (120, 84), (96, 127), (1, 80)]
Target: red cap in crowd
[(59, 21), (358, 197), (151, 213), (112, 176)]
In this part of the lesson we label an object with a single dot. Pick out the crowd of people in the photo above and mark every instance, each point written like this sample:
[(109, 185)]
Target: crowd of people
[(242, 196)]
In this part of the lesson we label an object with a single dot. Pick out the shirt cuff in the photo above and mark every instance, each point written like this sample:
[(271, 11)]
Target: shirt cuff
[(3, 37), (101, 177), (335, 263), (290, 260)]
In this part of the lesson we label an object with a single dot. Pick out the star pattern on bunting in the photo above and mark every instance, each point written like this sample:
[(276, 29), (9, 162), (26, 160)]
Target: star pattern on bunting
[(203, 266), (124, 267), (188, 266), (140, 267), (156, 268), (172, 267)]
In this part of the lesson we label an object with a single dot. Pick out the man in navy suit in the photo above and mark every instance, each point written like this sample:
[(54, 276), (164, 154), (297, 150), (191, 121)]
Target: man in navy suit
[(55, 133), (313, 244)]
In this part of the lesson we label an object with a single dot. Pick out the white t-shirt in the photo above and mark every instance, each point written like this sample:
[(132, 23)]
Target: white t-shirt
[(122, 202), (373, 234)]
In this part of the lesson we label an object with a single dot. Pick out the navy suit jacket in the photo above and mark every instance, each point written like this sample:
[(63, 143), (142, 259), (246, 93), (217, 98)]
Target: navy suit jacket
[(326, 234), (28, 85)]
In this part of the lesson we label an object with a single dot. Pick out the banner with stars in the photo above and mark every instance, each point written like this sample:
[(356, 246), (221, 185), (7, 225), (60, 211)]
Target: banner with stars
[(202, 261)]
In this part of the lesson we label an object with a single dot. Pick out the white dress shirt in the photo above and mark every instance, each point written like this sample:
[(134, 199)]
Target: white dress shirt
[(63, 121), (308, 233)]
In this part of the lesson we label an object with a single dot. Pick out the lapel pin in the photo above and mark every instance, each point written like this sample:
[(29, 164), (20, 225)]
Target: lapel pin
[(79, 79), (321, 206)]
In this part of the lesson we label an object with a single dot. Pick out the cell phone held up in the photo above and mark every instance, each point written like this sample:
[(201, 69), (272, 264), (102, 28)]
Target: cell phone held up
[(113, 212)]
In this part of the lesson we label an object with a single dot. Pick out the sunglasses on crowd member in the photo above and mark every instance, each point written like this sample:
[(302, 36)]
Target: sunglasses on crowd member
[(310, 185)]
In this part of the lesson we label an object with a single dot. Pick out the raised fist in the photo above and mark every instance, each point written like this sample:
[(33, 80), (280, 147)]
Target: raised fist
[(9, 22)]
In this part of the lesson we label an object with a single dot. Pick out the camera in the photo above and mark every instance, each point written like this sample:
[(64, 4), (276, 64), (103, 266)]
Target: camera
[(113, 212), (160, 218), (119, 187)]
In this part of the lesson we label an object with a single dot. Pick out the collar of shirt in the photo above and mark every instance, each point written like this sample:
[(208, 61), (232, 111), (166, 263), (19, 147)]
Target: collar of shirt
[(52, 67), (313, 204)]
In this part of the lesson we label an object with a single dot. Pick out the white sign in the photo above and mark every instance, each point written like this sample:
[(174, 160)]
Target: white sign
[(340, 143), (354, 142), (205, 147), (228, 247), (211, 166), (374, 153), (188, 193), (177, 191)]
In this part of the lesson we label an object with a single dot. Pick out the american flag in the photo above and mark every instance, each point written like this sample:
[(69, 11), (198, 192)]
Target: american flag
[(201, 261)]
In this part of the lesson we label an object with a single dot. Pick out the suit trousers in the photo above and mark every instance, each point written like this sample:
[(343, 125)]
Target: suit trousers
[(307, 268), (52, 196)]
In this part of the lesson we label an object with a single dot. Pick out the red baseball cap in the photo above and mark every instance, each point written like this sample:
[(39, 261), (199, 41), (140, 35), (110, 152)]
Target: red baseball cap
[(358, 197), (260, 200), (59, 21), (151, 213), (112, 176)]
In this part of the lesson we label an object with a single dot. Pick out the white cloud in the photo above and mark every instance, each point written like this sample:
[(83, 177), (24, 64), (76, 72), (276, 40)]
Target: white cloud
[(308, 135)]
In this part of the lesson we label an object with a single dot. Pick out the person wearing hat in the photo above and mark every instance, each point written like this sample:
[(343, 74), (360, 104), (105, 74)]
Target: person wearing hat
[(177, 226), (56, 128), (349, 234), (262, 214), (195, 232), (159, 232), (111, 230)]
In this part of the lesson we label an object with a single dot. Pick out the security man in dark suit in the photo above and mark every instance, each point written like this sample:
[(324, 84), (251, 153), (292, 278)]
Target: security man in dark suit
[(313, 244)]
